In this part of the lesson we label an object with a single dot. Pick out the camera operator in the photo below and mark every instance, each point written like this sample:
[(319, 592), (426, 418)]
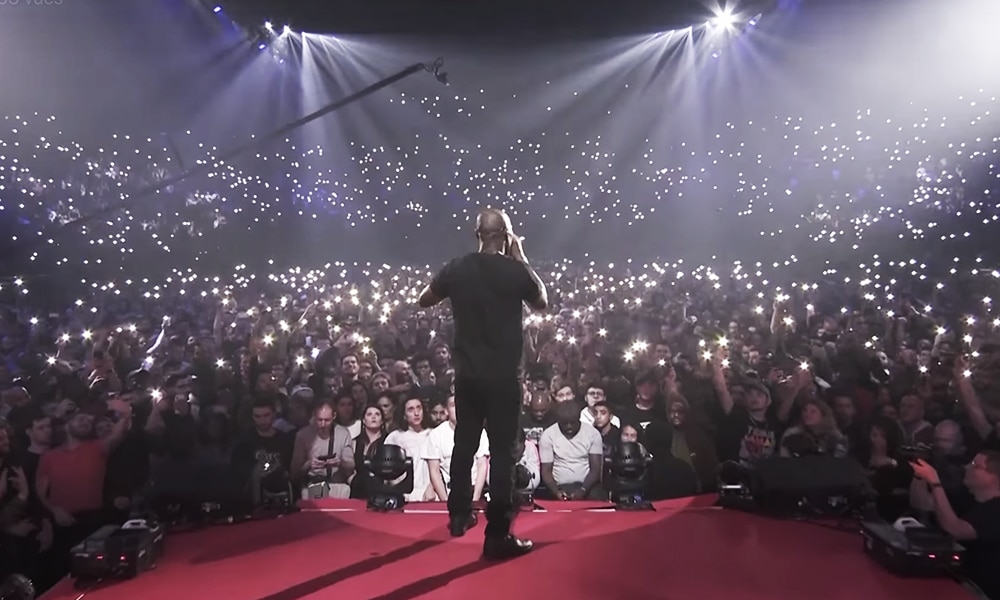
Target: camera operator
[(948, 457), (978, 527)]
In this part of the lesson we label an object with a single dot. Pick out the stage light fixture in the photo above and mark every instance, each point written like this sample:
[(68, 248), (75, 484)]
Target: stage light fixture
[(628, 479), (735, 486), (389, 478), (217, 9), (272, 486), (269, 26), (724, 18), (524, 494), (17, 587)]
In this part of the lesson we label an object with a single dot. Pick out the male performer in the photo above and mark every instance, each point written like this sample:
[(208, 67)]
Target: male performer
[(487, 289)]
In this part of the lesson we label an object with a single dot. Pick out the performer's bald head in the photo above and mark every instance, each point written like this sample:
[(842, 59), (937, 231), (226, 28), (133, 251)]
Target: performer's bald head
[(492, 227)]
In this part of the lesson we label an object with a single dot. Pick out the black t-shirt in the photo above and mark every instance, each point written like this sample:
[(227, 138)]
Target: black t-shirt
[(127, 466), (533, 429), (745, 439), (641, 418), (951, 472), (982, 556), (486, 293), (611, 440), (271, 449), (180, 435), (659, 437), (29, 462)]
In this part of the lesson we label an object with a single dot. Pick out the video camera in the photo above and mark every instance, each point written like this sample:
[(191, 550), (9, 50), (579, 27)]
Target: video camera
[(118, 552), (916, 452)]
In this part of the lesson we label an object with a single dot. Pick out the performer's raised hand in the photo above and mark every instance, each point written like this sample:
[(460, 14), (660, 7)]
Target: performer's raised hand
[(516, 249)]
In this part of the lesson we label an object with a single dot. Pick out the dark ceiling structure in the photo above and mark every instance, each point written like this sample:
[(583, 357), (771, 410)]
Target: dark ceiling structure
[(509, 18)]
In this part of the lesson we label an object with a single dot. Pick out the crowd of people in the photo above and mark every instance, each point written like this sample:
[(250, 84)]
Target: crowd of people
[(923, 172), (124, 394), (266, 385)]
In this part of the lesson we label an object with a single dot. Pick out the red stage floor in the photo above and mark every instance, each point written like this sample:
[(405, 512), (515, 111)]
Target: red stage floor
[(686, 550)]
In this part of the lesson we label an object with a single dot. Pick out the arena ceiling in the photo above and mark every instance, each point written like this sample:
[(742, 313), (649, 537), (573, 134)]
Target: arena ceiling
[(478, 17)]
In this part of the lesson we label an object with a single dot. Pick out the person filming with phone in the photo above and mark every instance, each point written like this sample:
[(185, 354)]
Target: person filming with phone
[(487, 290), (322, 460)]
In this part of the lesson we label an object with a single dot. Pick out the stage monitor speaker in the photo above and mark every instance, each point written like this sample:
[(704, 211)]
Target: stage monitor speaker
[(801, 486)]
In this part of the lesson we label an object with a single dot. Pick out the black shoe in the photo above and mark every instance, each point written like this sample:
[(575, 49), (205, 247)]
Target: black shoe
[(459, 525), (502, 548)]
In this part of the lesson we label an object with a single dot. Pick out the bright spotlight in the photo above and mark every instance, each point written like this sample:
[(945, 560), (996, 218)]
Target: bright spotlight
[(724, 18), (268, 26), (261, 46), (217, 9), (286, 30)]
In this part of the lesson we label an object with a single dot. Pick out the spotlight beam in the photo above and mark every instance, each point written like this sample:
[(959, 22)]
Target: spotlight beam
[(237, 151)]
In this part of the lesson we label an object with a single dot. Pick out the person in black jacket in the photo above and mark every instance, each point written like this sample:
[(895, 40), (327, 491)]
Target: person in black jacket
[(366, 445)]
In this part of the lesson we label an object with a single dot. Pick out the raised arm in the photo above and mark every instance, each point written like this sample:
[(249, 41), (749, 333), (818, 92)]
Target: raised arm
[(160, 337), (428, 298), (721, 389), (971, 401), (957, 528), (438, 289), (539, 300)]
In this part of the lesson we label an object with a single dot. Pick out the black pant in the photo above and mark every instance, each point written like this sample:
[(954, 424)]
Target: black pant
[(497, 405), (65, 538)]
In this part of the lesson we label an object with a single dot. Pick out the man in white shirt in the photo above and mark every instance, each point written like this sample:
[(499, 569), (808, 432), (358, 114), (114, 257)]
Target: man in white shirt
[(438, 451), (572, 454)]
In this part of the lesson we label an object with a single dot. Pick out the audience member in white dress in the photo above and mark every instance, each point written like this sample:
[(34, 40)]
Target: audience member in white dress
[(413, 439)]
